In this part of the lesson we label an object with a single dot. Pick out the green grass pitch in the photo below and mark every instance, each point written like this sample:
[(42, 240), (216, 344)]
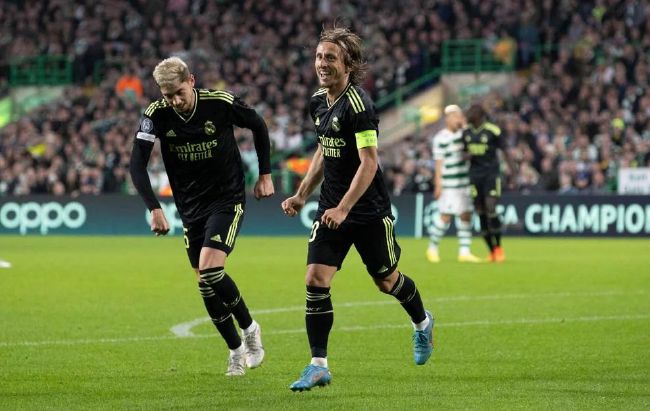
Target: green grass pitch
[(563, 324)]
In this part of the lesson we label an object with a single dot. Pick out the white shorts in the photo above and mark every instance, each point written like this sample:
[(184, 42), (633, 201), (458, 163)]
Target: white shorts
[(455, 201)]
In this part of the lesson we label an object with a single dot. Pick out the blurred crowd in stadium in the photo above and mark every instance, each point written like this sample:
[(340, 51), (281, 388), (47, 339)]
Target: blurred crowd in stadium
[(576, 112)]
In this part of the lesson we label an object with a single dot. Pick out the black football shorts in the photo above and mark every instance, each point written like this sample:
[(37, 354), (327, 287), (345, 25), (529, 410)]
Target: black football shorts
[(218, 230), (487, 185), (375, 242)]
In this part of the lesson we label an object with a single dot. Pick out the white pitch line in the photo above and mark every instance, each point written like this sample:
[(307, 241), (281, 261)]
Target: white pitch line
[(521, 321), (185, 329)]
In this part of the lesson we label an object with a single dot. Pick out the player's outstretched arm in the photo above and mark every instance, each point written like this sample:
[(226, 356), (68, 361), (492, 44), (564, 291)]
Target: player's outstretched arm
[(292, 205)]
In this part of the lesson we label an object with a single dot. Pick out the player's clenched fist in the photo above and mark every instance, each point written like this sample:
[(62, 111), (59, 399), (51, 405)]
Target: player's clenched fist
[(159, 224), (292, 205), (263, 187)]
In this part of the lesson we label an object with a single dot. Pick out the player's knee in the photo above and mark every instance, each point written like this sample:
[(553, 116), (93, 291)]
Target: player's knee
[(445, 218), (387, 283), (211, 257), (319, 275), (314, 279), (466, 217), (384, 286)]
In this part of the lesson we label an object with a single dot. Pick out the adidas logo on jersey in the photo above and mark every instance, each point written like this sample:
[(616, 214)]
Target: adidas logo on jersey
[(216, 238), (171, 133)]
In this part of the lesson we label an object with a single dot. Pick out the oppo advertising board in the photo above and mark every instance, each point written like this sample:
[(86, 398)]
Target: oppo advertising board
[(538, 215)]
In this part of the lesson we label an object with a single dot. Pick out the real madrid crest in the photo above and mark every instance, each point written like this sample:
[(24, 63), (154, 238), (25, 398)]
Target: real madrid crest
[(336, 126), (484, 138), (209, 128)]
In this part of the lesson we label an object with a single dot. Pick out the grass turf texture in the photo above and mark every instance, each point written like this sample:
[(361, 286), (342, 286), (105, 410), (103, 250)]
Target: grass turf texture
[(562, 324)]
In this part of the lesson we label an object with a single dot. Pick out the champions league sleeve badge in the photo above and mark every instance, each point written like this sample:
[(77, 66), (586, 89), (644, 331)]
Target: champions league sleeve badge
[(146, 125)]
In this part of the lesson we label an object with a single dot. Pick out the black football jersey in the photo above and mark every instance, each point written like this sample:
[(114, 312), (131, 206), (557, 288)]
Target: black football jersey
[(482, 144), (345, 126), (200, 153)]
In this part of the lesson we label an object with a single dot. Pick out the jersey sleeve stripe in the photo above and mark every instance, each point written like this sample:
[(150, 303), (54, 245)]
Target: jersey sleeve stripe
[(214, 92), (366, 138), (151, 108), (155, 106), (218, 98), (221, 95), (355, 107), (215, 96), (358, 97), (211, 94), (352, 93)]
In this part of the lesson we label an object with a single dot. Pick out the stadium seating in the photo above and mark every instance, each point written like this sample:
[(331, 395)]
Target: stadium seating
[(577, 112)]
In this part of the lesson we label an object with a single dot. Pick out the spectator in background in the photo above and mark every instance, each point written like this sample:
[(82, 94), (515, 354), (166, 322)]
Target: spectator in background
[(505, 48), (129, 85), (566, 185), (549, 178), (527, 177)]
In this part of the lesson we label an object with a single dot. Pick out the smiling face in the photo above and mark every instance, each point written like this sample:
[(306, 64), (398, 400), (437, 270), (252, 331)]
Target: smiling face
[(180, 94), (330, 66)]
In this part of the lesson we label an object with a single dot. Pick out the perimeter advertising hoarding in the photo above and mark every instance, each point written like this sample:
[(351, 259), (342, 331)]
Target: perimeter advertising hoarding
[(534, 215), (634, 181)]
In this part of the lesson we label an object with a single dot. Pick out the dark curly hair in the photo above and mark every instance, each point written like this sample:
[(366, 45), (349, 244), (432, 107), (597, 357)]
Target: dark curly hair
[(352, 48), (475, 115)]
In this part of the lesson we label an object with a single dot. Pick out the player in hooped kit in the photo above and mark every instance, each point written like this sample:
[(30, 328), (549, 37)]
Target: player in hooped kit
[(204, 166), (451, 188), (354, 207)]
